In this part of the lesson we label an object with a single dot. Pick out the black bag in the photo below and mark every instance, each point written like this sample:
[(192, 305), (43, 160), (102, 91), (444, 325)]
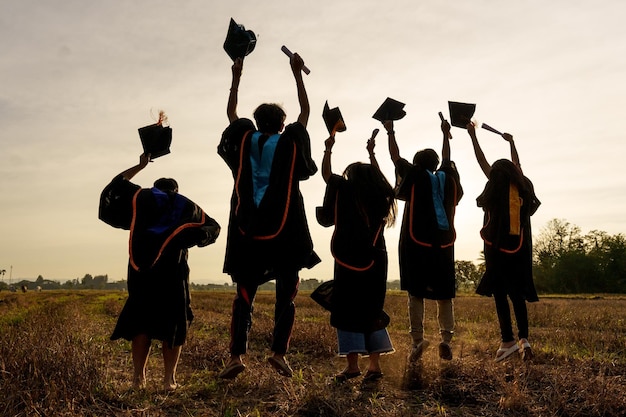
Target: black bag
[(322, 295), (381, 322)]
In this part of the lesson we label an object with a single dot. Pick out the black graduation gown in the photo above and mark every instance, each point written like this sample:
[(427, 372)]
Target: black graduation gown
[(162, 227), (360, 278), (426, 253), (508, 257), (275, 235)]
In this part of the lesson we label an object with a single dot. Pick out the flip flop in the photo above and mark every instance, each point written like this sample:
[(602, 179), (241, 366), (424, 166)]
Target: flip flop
[(281, 366), (343, 376), (504, 353), (371, 376), (232, 370)]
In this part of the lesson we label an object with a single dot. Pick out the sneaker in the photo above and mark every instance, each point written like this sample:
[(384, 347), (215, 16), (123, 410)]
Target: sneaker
[(445, 352), (526, 350), (418, 350)]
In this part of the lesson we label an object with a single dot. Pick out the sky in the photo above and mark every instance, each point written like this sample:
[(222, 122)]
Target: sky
[(79, 78)]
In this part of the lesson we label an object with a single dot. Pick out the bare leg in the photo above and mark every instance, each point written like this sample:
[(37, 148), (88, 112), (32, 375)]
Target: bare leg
[(170, 361), (353, 363), (140, 351), (374, 365)]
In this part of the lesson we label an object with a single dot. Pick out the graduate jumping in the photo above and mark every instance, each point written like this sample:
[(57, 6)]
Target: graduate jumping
[(268, 234)]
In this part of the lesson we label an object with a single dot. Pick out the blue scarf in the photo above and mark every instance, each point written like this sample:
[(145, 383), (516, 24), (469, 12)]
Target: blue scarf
[(261, 161), (438, 182)]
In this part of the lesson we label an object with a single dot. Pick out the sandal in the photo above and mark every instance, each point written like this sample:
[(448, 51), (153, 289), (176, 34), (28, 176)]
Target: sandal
[(232, 370), (280, 365), (343, 376), (371, 376), (504, 353)]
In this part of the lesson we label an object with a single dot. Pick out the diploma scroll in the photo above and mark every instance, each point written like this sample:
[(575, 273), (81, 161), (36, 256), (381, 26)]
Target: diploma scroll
[(442, 119), (491, 129), (290, 55)]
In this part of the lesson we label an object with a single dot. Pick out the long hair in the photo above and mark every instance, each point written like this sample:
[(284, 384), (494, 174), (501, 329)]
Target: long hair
[(503, 172), (373, 193)]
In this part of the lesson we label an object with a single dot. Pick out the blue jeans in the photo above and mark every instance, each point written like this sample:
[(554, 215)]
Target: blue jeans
[(364, 343)]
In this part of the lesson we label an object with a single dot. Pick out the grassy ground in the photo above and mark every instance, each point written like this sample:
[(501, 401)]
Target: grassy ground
[(56, 360)]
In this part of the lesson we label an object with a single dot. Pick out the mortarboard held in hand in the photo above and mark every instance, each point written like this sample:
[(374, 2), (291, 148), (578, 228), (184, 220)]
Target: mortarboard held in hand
[(333, 119), (156, 138), (461, 113), (239, 41), (390, 110)]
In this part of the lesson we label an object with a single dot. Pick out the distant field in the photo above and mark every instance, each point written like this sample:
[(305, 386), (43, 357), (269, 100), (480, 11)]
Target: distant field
[(56, 360)]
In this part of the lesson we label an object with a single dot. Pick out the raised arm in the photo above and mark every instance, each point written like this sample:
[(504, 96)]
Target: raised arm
[(326, 165), (514, 156), (371, 143), (445, 151), (394, 151), (296, 67), (231, 108), (132, 171), (480, 156)]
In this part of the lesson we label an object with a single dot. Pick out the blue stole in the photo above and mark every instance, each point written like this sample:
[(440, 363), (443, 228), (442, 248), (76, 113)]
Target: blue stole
[(261, 162), (169, 217), (438, 182)]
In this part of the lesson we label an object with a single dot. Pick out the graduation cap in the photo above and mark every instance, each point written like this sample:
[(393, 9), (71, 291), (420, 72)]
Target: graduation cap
[(461, 113), (333, 119), (239, 41), (156, 139), (390, 110)]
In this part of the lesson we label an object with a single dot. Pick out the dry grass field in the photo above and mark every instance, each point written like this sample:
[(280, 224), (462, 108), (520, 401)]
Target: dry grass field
[(56, 360)]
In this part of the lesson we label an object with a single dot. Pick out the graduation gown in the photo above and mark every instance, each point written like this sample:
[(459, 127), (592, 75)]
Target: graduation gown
[(274, 235), (507, 237), (426, 251), (162, 227), (360, 277)]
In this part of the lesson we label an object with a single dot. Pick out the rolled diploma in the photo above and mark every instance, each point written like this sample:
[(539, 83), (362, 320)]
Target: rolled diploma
[(491, 129), (290, 55)]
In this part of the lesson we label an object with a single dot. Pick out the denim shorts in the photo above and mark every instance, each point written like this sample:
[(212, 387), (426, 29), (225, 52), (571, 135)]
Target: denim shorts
[(364, 343)]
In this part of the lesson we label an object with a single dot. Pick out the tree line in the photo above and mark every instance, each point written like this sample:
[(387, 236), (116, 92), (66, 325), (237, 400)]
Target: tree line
[(565, 261)]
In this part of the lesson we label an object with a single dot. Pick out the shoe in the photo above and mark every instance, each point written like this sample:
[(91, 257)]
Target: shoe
[(281, 365), (504, 353), (418, 350), (445, 351), (526, 350), (232, 370), (371, 376), (343, 376)]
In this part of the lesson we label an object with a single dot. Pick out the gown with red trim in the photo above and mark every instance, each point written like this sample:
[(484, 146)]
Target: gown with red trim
[(360, 276), (274, 236), (162, 227), (426, 252), (508, 257)]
